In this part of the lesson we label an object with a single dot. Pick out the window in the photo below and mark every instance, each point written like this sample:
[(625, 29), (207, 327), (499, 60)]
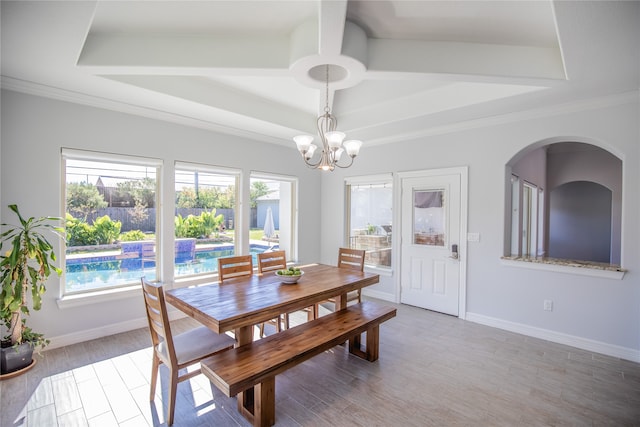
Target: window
[(369, 205), (273, 208), (526, 218), (578, 214), (529, 219), (205, 218), (515, 215), (110, 207)]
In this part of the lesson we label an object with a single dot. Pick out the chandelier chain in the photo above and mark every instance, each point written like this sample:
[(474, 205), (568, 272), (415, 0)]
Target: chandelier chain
[(332, 140), (326, 90)]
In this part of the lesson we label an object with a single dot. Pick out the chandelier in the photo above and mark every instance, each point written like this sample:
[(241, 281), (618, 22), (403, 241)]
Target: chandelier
[(332, 145)]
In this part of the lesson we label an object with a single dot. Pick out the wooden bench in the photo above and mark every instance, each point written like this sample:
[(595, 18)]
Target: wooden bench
[(256, 364)]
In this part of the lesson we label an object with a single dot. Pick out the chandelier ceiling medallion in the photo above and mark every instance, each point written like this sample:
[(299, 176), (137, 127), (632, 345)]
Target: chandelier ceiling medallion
[(332, 140)]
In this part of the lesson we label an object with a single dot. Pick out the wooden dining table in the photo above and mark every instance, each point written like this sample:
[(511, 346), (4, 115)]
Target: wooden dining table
[(240, 303)]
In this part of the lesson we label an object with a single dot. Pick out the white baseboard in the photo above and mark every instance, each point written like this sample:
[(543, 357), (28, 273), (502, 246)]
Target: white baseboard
[(385, 296), (103, 331), (558, 337)]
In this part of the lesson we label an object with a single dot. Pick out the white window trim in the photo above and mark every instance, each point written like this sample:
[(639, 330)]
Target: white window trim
[(99, 296), (126, 290), (234, 173), (386, 178), (369, 179), (70, 153), (294, 181)]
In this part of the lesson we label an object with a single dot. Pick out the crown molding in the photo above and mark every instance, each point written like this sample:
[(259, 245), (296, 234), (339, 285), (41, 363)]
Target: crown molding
[(607, 101), (37, 89)]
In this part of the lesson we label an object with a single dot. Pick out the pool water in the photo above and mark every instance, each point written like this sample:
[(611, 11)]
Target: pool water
[(89, 273)]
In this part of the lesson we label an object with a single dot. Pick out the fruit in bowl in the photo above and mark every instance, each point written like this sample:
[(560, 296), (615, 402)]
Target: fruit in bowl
[(290, 275)]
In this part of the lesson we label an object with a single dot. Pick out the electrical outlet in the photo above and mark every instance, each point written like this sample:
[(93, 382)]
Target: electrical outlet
[(548, 305)]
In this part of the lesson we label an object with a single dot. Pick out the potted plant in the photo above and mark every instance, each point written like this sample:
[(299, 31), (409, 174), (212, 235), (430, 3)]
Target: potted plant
[(25, 265)]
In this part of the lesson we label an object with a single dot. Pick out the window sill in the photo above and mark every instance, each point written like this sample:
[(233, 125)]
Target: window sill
[(583, 268), (99, 296), (382, 271)]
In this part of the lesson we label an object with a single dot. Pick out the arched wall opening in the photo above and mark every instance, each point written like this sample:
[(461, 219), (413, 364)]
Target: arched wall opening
[(560, 195)]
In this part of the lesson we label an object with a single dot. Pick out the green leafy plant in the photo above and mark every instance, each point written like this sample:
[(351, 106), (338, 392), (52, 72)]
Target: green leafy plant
[(203, 225), (133, 236), (180, 226), (79, 232), (24, 269), (211, 223), (106, 230), (83, 198)]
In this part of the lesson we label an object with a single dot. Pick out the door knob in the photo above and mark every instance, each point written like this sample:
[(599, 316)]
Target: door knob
[(454, 252)]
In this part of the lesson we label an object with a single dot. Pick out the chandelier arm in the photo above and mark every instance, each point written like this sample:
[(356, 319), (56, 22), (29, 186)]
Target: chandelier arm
[(310, 164), (326, 124), (345, 166)]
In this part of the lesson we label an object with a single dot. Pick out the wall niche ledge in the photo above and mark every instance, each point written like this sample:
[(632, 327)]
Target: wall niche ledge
[(584, 268)]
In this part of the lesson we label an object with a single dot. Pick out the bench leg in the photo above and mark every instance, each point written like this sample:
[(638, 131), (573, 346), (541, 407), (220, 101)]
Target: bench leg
[(258, 404), (265, 403), (372, 351)]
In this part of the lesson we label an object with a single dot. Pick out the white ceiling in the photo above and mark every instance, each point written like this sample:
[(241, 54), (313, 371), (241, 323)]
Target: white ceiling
[(398, 69)]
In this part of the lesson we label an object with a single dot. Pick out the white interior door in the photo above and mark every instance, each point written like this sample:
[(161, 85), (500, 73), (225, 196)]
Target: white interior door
[(431, 231)]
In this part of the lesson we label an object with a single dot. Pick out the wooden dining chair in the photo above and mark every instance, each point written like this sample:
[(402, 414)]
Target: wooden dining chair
[(240, 266), (270, 262), (179, 351), (348, 258), (234, 266)]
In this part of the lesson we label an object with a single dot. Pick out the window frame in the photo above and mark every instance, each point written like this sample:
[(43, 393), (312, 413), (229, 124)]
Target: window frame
[(67, 298), (379, 179), (291, 246), (236, 174)]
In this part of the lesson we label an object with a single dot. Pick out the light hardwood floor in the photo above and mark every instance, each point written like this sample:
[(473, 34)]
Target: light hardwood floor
[(434, 370)]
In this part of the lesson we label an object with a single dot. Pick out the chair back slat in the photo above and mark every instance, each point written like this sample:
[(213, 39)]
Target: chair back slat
[(156, 310), (271, 261), (234, 266), (351, 258)]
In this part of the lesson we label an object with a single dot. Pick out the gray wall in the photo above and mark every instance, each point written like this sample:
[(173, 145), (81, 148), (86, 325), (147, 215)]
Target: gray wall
[(579, 162), (580, 222), (533, 167), (34, 130), (588, 310)]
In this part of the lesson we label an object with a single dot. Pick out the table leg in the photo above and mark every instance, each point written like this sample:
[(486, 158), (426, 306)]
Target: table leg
[(340, 303), (244, 335)]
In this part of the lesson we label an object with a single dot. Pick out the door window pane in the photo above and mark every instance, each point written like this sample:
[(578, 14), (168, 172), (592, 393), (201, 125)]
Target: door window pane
[(428, 217)]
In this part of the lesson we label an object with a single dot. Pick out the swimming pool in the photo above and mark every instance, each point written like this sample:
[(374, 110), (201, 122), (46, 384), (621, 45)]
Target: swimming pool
[(93, 272)]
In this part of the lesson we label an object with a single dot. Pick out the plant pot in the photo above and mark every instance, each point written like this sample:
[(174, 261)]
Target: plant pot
[(15, 358)]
